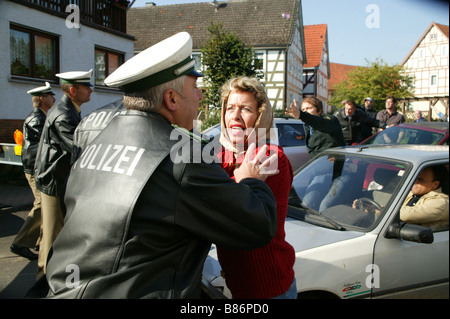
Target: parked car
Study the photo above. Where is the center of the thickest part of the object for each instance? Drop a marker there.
(289, 135)
(347, 249)
(424, 133)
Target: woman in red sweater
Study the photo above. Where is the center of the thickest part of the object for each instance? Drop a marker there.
(266, 272)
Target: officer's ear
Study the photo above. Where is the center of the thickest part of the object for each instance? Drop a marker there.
(170, 99)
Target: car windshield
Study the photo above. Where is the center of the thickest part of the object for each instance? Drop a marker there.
(405, 135)
(345, 191)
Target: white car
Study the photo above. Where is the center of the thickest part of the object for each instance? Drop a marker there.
(289, 135)
(347, 249)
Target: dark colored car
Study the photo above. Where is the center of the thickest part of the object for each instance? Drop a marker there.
(424, 133)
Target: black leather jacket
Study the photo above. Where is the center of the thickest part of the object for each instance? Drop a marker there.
(352, 129)
(140, 222)
(55, 148)
(32, 130)
(93, 124)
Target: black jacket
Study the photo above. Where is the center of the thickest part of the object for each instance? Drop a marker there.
(32, 131)
(55, 147)
(140, 221)
(327, 133)
(352, 129)
(93, 124)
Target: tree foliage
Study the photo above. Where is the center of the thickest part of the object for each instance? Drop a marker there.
(224, 56)
(377, 80)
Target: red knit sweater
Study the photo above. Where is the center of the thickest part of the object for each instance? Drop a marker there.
(267, 271)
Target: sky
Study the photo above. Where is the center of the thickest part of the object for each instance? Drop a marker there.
(362, 31)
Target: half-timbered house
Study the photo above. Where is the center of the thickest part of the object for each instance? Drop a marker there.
(428, 64)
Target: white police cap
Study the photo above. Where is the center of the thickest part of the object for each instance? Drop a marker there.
(47, 89)
(158, 64)
(76, 77)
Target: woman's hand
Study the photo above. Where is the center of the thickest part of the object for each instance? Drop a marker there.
(260, 166)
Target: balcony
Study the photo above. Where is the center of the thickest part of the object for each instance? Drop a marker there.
(103, 14)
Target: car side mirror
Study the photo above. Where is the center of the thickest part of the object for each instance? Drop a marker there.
(410, 232)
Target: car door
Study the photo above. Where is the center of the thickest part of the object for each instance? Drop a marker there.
(405, 269)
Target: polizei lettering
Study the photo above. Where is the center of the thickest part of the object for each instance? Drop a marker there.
(99, 120)
(119, 159)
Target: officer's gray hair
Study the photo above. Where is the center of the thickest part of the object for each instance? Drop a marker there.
(36, 101)
(152, 99)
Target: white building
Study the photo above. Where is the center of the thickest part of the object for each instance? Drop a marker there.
(40, 38)
(428, 64)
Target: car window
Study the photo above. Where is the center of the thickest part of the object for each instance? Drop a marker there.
(352, 190)
(402, 135)
(290, 134)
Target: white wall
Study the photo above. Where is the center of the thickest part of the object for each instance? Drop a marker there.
(76, 54)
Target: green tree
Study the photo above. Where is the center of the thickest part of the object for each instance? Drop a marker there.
(224, 56)
(377, 80)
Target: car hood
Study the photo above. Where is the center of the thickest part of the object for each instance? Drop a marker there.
(303, 236)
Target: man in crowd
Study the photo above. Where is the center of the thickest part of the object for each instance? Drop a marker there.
(390, 116)
(418, 116)
(352, 122)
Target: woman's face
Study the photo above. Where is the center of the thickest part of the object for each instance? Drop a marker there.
(241, 113)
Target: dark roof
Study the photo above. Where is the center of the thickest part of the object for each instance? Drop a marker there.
(260, 23)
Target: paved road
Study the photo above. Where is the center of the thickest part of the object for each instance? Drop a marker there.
(17, 274)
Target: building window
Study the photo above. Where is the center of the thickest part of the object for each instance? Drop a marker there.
(444, 51)
(33, 54)
(259, 61)
(421, 53)
(106, 62)
(198, 61)
(433, 80)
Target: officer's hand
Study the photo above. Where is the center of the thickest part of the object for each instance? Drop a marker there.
(293, 110)
(260, 166)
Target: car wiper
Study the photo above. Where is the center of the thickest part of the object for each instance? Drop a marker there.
(335, 225)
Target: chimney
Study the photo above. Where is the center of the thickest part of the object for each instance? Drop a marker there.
(150, 4)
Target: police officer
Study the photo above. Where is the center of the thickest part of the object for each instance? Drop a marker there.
(54, 155)
(325, 131)
(29, 234)
(140, 222)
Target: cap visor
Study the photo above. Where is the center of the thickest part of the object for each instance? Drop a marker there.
(196, 74)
